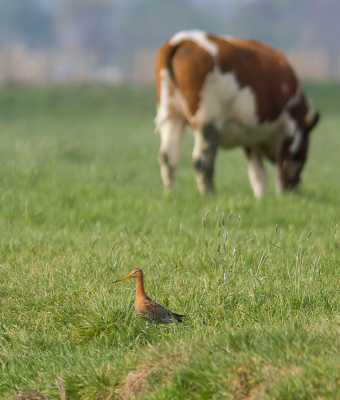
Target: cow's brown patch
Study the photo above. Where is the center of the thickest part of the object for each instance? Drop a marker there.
(190, 65)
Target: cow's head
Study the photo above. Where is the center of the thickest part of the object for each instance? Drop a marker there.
(294, 153)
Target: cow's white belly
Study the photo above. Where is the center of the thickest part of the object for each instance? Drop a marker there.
(233, 134)
(233, 112)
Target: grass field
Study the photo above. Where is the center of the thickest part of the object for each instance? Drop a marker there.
(82, 205)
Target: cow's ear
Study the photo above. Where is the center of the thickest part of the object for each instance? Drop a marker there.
(312, 120)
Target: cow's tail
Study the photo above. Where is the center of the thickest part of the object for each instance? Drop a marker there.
(164, 82)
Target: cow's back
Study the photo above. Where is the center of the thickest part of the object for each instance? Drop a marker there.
(231, 66)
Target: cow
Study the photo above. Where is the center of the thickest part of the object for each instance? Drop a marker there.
(231, 92)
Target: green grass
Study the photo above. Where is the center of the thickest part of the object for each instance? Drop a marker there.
(81, 205)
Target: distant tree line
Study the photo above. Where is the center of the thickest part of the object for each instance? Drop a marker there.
(114, 29)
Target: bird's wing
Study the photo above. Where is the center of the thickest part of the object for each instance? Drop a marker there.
(157, 308)
(160, 310)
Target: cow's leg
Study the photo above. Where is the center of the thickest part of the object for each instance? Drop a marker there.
(171, 139)
(203, 157)
(279, 183)
(281, 156)
(257, 173)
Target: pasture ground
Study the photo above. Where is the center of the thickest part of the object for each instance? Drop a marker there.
(82, 205)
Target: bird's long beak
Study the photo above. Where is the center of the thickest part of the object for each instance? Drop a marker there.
(129, 276)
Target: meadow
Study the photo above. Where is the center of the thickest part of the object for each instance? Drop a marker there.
(82, 204)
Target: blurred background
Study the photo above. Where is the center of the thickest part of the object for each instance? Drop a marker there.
(113, 41)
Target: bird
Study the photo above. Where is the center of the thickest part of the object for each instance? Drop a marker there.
(147, 308)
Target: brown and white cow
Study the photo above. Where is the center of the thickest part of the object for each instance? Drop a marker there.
(232, 93)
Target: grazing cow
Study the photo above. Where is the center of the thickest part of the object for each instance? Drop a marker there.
(232, 93)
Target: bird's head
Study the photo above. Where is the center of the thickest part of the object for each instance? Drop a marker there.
(133, 274)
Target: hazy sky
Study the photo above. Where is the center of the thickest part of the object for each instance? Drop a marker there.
(227, 5)
(131, 26)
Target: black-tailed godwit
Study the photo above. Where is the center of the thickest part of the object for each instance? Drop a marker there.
(147, 308)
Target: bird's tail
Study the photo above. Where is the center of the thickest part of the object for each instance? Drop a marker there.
(178, 317)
